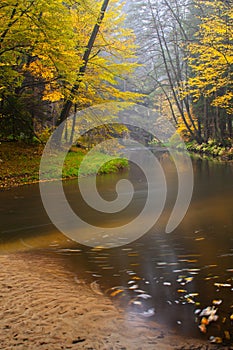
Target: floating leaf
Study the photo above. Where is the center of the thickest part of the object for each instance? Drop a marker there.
(190, 301)
(144, 296)
(193, 294)
(204, 321)
(212, 318)
(135, 286)
(202, 328)
(116, 292)
(216, 340)
(197, 311)
(139, 291)
(222, 284)
(208, 311)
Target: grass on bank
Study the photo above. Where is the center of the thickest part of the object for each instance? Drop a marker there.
(212, 149)
(20, 162)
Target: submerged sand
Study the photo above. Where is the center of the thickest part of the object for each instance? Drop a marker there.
(44, 306)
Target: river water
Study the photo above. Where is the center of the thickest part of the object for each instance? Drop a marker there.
(161, 276)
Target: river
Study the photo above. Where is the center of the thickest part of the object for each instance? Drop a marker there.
(162, 276)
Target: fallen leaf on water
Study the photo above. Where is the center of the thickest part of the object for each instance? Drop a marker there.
(167, 283)
(136, 302)
(208, 311)
(217, 302)
(202, 328)
(193, 294)
(212, 318)
(190, 301)
(188, 279)
(113, 294)
(135, 286)
(216, 340)
(131, 282)
(144, 296)
(204, 321)
(139, 291)
(211, 278)
(222, 284)
(197, 311)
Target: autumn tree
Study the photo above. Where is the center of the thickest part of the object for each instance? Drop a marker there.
(37, 51)
(162, 35)
(42, 45)
(211, 62)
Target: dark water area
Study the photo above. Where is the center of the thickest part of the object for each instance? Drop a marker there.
(166, 277)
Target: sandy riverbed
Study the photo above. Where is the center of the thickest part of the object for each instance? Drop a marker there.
(43, 306)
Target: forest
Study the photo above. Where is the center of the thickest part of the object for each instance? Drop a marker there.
(172, 56)
(116, 159)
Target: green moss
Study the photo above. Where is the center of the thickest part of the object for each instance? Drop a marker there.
(212, 149)
(19, 164)
(93, 165)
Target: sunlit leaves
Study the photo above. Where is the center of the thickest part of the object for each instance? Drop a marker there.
(211, 57)
(46, 40)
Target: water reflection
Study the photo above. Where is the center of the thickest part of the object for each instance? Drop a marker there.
(171, 278)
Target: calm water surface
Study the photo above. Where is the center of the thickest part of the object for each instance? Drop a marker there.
(164, 277)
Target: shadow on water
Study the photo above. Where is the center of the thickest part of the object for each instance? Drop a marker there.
(165, 277)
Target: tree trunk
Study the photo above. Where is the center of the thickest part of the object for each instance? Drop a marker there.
(68, 103)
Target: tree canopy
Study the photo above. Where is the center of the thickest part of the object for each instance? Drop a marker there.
(186, 50)
(42, 45)
(178, 56)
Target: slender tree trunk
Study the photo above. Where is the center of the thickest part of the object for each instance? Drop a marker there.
(229, 124)
(174, 76)
(73, 124)
(216, 119)
(68, 103)
(206, 124)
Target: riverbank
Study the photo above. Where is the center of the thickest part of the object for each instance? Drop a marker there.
(44, 306)
(20, 162)
(211, 150)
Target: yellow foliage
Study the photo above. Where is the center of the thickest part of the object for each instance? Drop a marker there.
(211, 57)
(48, 38)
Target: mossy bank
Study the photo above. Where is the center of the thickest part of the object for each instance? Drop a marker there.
(20, 162)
